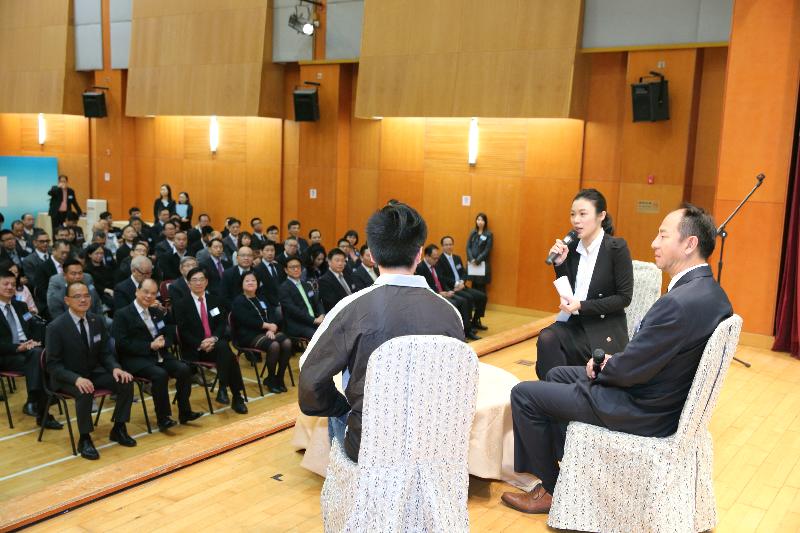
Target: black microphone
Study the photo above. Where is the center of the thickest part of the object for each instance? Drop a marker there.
(760, 178)
(571, 236)
(598, 357)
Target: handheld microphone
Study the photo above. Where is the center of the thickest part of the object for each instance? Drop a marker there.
(598, 357)
(571, 236)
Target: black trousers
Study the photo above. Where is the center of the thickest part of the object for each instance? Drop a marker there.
(57, 221)
(561, 344)
(28, 363)
(540, 411)
(464, 306)
(478, 300)
(294, 329)
(102, 379)
(159, 374)
(230, 375)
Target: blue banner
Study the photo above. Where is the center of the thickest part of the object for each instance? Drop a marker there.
(24, 182)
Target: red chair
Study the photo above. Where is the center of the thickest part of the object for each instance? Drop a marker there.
(163, 292)
(9, 376)
(62, 397)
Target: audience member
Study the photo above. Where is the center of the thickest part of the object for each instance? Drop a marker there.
(302, 310)
(273, 234)
(24, 246)
(72, 272)
(164, 201)
(169, 261)
(479, 248)
(271, 273)
(124, 270)
(231, 285)
(259, 237)
(290, 249)
(314, 237)
(23, 294)
(215, 266)
(452, 274)
(102, 274)
(294, 231)
(334, 286)
(10, 250)
(62, 201)
(231, 241)
(184, 210)
(45, 271)
(126, 243)
(71, 223)
(179, 289)
(41, 253)
(29, 228)
(315, 265)
(125, 290)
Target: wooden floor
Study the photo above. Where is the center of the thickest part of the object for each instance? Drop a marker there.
(261, 486)
(27, 466)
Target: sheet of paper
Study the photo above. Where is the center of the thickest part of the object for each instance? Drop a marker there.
(182, 210)
(477, 270)
(564, 290)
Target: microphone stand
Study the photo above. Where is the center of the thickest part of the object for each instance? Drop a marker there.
(723, 234)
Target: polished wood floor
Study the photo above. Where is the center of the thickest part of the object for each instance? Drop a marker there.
(261, 486)
(27, 466)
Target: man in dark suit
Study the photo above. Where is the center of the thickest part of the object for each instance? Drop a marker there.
(202, 323)
(453, 274)
(334, 285)
(71, 223)
(24, 243)
(641, 390)
(231, 285)
(156, 231)
(41, 253)
(47, 270)
(259, 238)
(10, 251)
(367, 272)
(271, 273)
(143, 338)
(125, 290)
(169, 261)
(294, 232)
(231, 240)
(62, 201)
(29, 228)
(19, 351)
(273, 234)
(166, 244)
(302, 310)
(200, 241)
(427, 269)
(215, 266)
(79, 362)
(290, 249)
(179, 289)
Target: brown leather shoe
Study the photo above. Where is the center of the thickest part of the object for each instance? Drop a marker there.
(537, 501)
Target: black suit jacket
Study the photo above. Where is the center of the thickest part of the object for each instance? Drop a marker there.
(122, 252)
(178, 290)
(44, 272)
(229, 245)
(331, 291)
(424, 270)
(231, 285)
(124, 293)
(190, 327)
(196, 246)
(361, 279)
(5, 256)
(445, 271)
(214, 279)
(293, 306)
(642, 390)
(67, 355)
(133, 338)
(602, 314)
(55, 195)
(158, 206)
(24, 316)
(248, 318)
(270, 284)
(169, 263)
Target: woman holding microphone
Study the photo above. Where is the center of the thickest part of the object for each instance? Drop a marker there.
(598, 266)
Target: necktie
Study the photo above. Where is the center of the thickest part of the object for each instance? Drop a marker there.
(148, 321)
(12, 324)
(219, 269)
(271, 270)
(343, 283)
(84, 335)
(436, 280)
(305, 299)
(204, 318)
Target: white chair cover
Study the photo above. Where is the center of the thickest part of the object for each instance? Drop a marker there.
(646, 290)
(419, 402)
(648, 484)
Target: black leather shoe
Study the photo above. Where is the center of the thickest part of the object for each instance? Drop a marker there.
(165, 424)
(271, 385)
(30, 409)
(222, 396)
(50, 423)
(87, 450)
(477, 325)
(120, 436)
(189, 416)
(471, 336)
(238, 405)
(280, 385)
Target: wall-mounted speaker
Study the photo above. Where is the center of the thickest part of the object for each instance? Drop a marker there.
(650, 100)
(306, 104)
(94, 105)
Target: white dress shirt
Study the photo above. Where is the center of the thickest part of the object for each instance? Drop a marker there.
(680, 274)
(453, 267)
(77, 321)
(586, 266)
(17, 322)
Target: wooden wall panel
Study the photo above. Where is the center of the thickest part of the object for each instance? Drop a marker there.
(554, 148)
(402, 144)
(363, 198)
(606, 105)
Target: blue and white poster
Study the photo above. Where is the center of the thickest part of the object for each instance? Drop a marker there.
(24, 182)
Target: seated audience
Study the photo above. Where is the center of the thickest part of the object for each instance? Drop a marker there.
(23, 294)
(80, 361)
(259, 237)
(366, 273)
(126, 242)
(29, 228)
(231, 285)
(125, 290)
(315, 265)
(427, 269)
(102, 273)
(453, 274)
(352, 257)
(143, 339)
(302, 310)
(166, 244)
(169, 261)
(47, 270)
(20, 352)
(179, 289)
(24, 246)
(640, 390)
(10, 250)
(71, 223)
(199, 246)
(290, 249)
(294, 231)
(41, 253)
(57, 290)
(202, 323)
(245, 239)
(273, 234)
(156, 231)
(271, 274)
(231, 240)
(334, 285)
(215, 266)
(256, 326)
(314, 237)
(141, 248)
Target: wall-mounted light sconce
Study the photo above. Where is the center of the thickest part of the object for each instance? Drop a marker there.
(213, 134)
(472, 158)
(42, 129)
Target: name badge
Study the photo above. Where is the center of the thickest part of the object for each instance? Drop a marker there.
(96, 338)
(483, 237)
(310, 294)
(18, 297)
(214, 312)
(27, 316)
(160, 324)
(71, 196)
(459, 267)
(263, 305)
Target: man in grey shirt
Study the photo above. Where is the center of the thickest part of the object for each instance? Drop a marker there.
(399, 303)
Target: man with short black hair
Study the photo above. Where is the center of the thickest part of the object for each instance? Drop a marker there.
(45, 271)
(24, 246)
(156, 232)
(79, 361)
(641, 390)
(352, 331)
(302, 309)
(366, 273)
(273, 234)
(179, 289)
(259, 238)
(231, 284)
(294, 231)
(169, 261)
(231, 241)
(215, 266)
(10, 248)
(57, 289)
(272, 274)
(29, 228)
(41, 253)
(314, 237)
(333, 285)
(71, 222)
(453, 274)
(62, 202)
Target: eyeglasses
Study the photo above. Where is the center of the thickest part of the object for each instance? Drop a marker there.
(85, 296)
(293, 267)
(197, 280)
(145, 272)
(40, 241)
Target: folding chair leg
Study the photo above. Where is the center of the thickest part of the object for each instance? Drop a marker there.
(46, 410)
(5, 400)
(144, 407)
(205, 388)
(291, 374)
(12, 383)
(69, 427)
(99, 410)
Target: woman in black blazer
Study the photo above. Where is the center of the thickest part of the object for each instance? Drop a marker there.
(164, 201)
(255, 325)
(62, 196)
(186, 219)
(600, 272)
(479, 247)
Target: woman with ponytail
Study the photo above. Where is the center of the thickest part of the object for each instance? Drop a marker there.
(598, 266)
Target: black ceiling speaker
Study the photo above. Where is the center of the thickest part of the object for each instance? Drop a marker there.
(306, 104)
(94, 104)
(650, 99)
